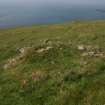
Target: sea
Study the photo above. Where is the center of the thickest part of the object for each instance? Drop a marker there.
(16, 14)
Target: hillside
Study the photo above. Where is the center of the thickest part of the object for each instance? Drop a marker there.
(62, 64)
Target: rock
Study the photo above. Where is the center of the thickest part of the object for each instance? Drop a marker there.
(88, 47)
(41, 50)
(49, 47)
(84, 54)
(6, 66)
(81, 47)
(47, 41)
(10, 63)
(99, 55)
(91, 53)
(24, 51)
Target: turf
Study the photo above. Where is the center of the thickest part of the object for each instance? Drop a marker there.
(53, 70)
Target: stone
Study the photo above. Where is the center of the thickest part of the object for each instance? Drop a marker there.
(10, 63)
(91, 53)
(81, 47)
(41, 50)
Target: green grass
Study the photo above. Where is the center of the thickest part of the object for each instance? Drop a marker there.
(58, 76)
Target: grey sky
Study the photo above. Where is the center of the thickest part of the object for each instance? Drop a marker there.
(43, 2)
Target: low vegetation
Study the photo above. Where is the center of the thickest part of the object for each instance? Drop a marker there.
(62, 64)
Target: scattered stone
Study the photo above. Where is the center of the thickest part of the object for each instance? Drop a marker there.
(84, 54)
(47, 41)
(49, 47)
(88, 47)
(41, 50)
(99, 55)
(81, 47)
(6, 66)
(23, 51)
(10, 63)
(91, 53)
(88, 50)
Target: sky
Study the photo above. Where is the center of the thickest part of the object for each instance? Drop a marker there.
(56, 2)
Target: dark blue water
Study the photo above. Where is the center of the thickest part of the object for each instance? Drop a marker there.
(13, 14)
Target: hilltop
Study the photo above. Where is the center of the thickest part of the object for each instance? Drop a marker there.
(61, 64)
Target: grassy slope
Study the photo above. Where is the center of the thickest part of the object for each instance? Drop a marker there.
(64, 78)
